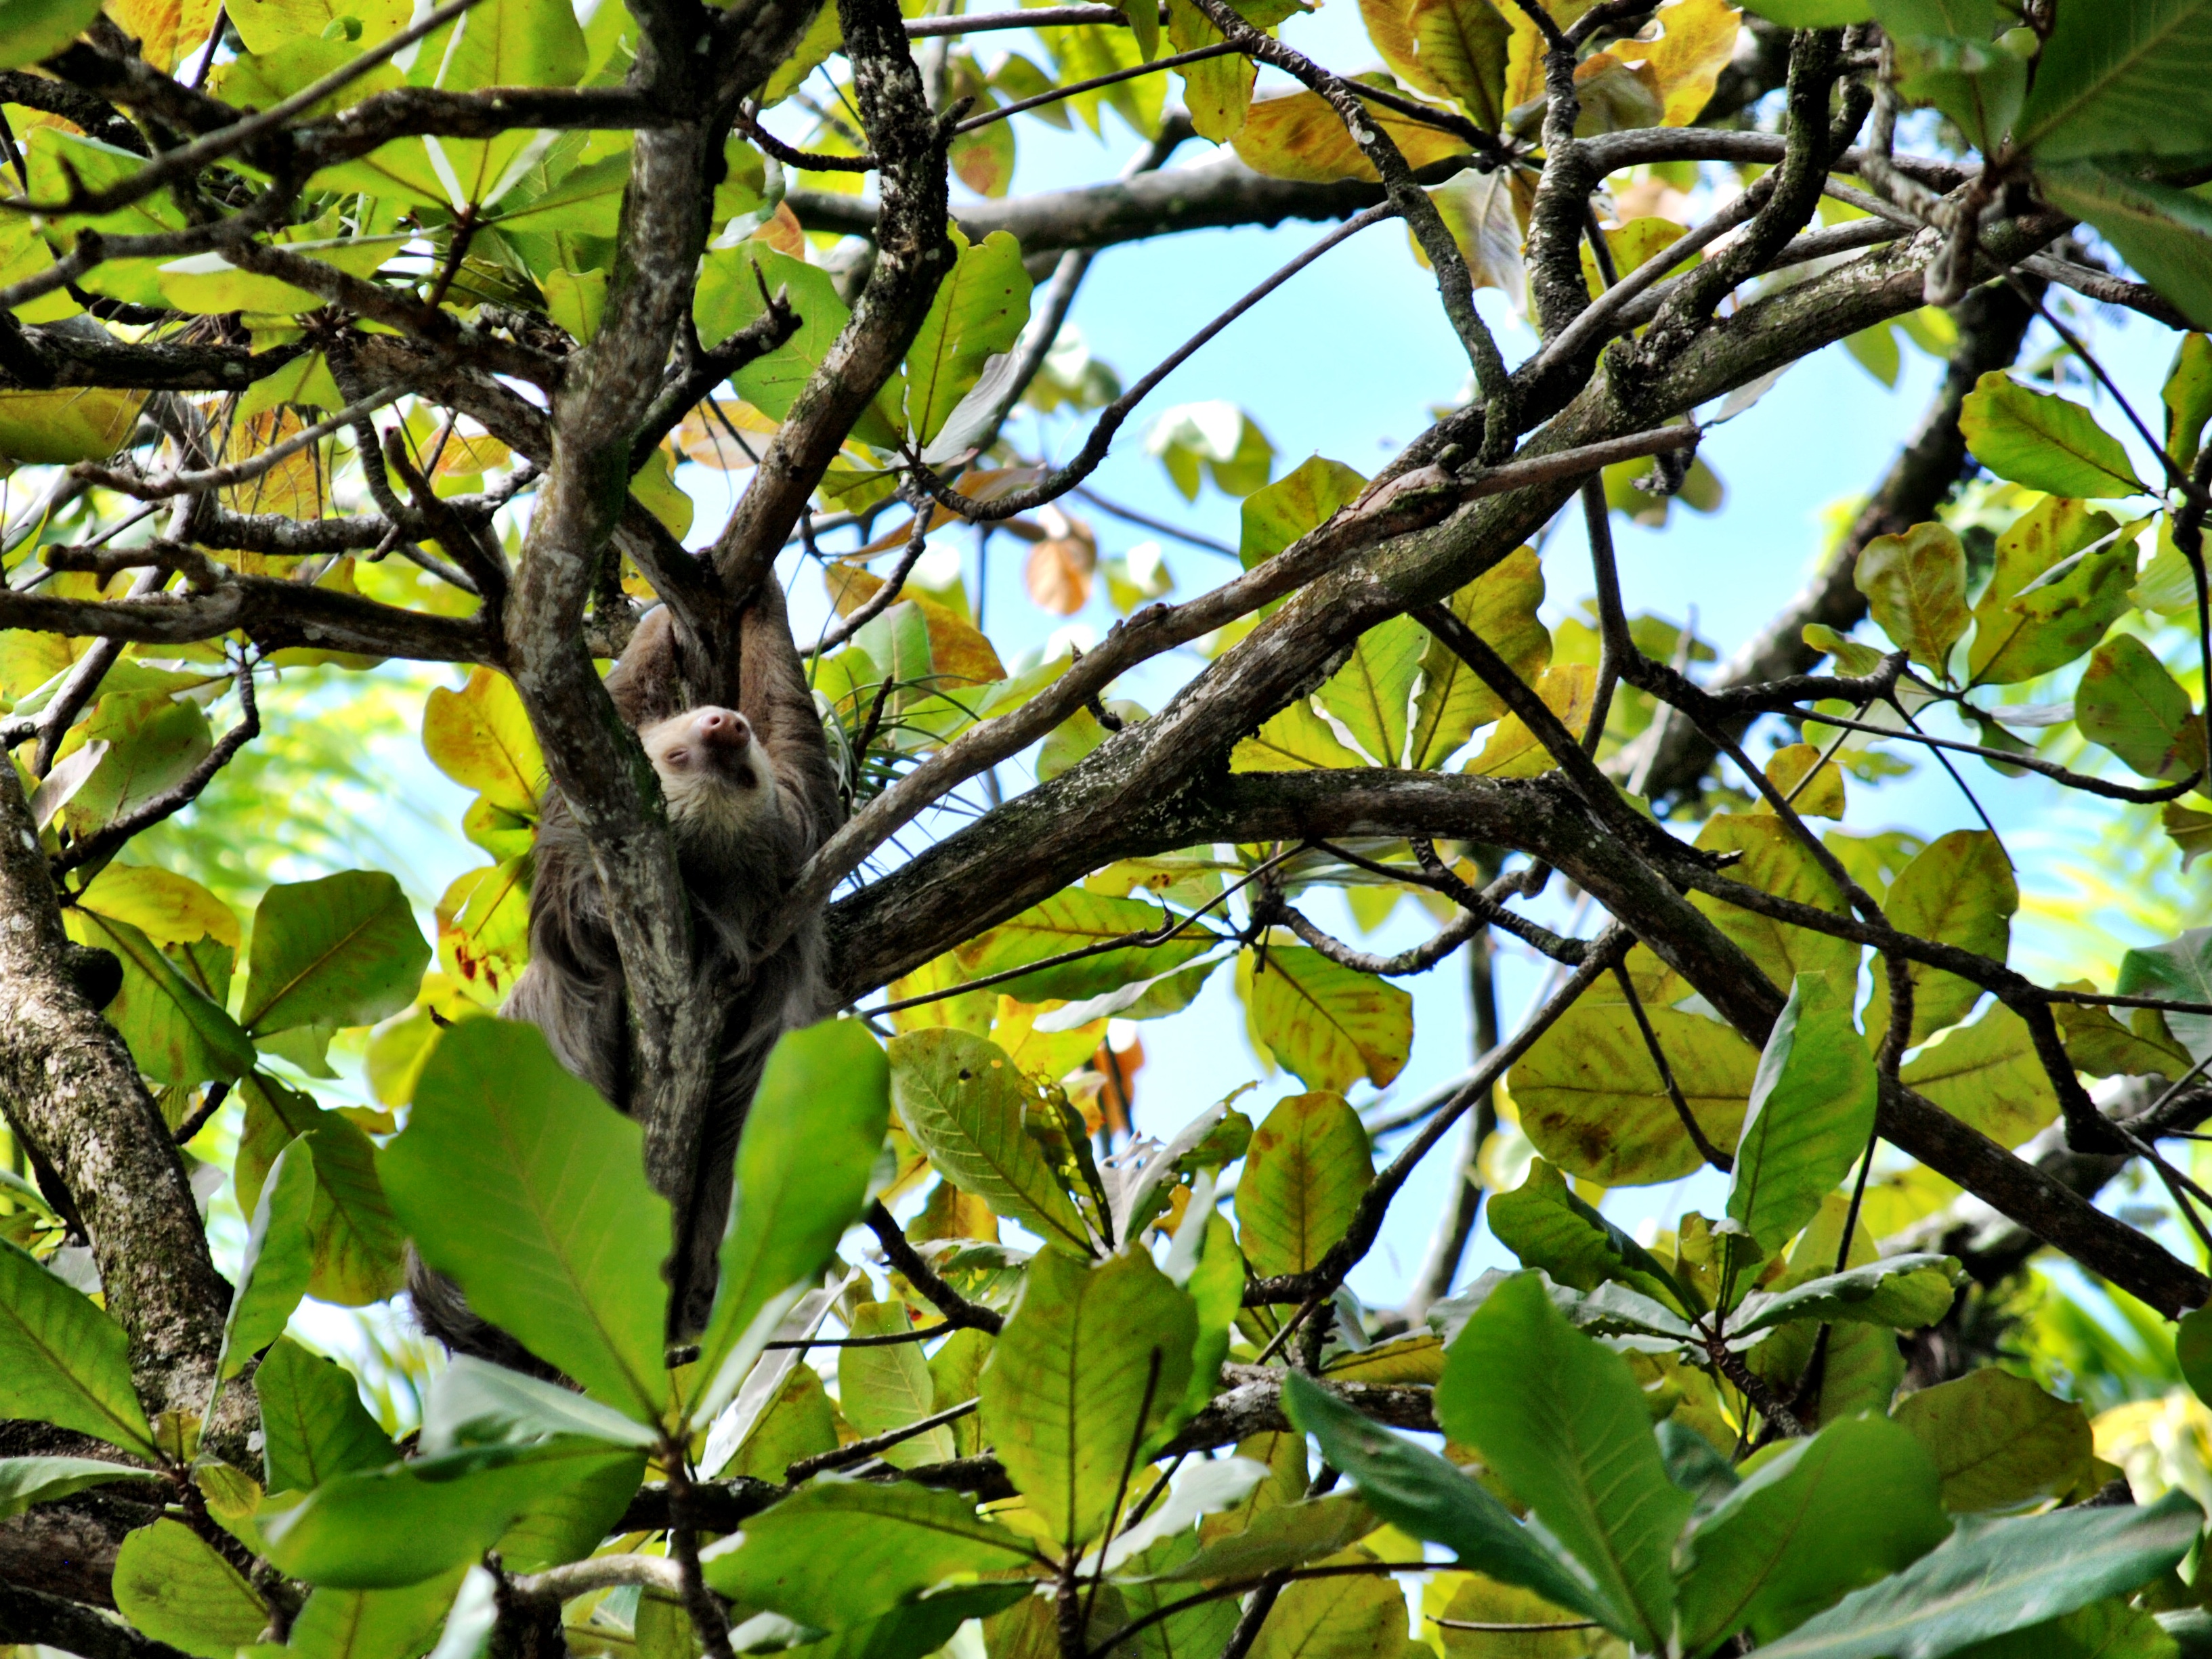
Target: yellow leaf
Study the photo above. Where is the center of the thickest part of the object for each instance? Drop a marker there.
(704, 435)
(165, 29)
(654, 485)
(168, 908)
(1697, 39)
(1567, 690)
(294, 487)
(1789, 767)
(82, 424)
(480, 738)
(959, 654)
(1300, 137)
(483, 929)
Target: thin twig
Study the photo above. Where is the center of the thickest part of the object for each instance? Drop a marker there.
(859, 1451)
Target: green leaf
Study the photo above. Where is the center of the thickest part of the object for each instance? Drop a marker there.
(1915, 587)
(1813, 13)
(27, 1480)
(1292, 739)
(344, 951)
(273, 1273)
(1904, 1292)
(1305, 1173)
(1811, 1115)
(1501, 605)
(1073, 920)
(1959, 890)
(1988, 1075)
(473, 1402)
(1990, 1580)
(2110, 1629)
(501, 43)
(1091, 1366)
(358, 1244)
(1360, 1618)
(382, 1529)
(1462, 44)
(2187, 396)
(1330, 1024)
(176, 1033)
(1290, 1535)
(2165, 234)
(314, 1426)
(1548, 1227)
(1561, 1420)
(1418, 1491)
(2181, 970)
(1776, 861)
(1370, 693)
(392, 1624)
(2043, 606)
(39, 28)
(882, 1388)
(1828, 1516)
(2120, 81)
(172, 1585)
(2043, 442)
(1999, 1441)
(811, 1140)
(978, 313)
(1302, 499)
(1593, 1102)
(516, 1180)
(2128, 703)
(838, 1553)
(964, 1101)
(728, 296)
(63, 1360)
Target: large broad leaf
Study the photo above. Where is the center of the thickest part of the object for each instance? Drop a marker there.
(1359, 1617)
(380, 1528)
(1330, 1024)
(811, 1140)
(314, 1426)
(357, 1244)
(279, 1257)
(391, 1624)
(978, 313)
(1420, 1492)
(2164, 232)
(1076, 920)
(2043, 607)
(1302, 499)
(1092, 1364)
(1775, 860)
(178, 1034)
(2043, 442)
(1548, 1227)
(1811, 1115)
(2130, 704)
(39, 28)
(62, 1361)
(1460, 44)
(343, 950)
(2181, 970)
(2120, 80)
(1904, 1292)
(964, 1103)
(1998, 1577)
(473, 1402)
(887, 1386)
(170, 1582)
(1305, 1172)
(1828, 1516)
(1292, 739)
(837, 1554)
(1916, 588)
(1987, 1074)
(1561, 1420)
(1369, 696)
(27, 1480)
(502, 43)
(1997, 1440)
(1284, 1533)
(1300, 137)
(728, 297)
(1500, 605)
(1592, 1101)
(480, 737)
(514, 1178)
(1959, 890)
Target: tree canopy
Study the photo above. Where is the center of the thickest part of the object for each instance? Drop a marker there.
(369, 366)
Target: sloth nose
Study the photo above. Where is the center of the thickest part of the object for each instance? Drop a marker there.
(723, 727)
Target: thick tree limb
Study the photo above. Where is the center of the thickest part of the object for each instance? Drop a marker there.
(54, 1621)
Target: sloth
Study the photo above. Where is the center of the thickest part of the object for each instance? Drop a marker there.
(751, 793)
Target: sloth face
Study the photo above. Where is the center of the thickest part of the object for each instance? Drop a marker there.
(710, 768)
